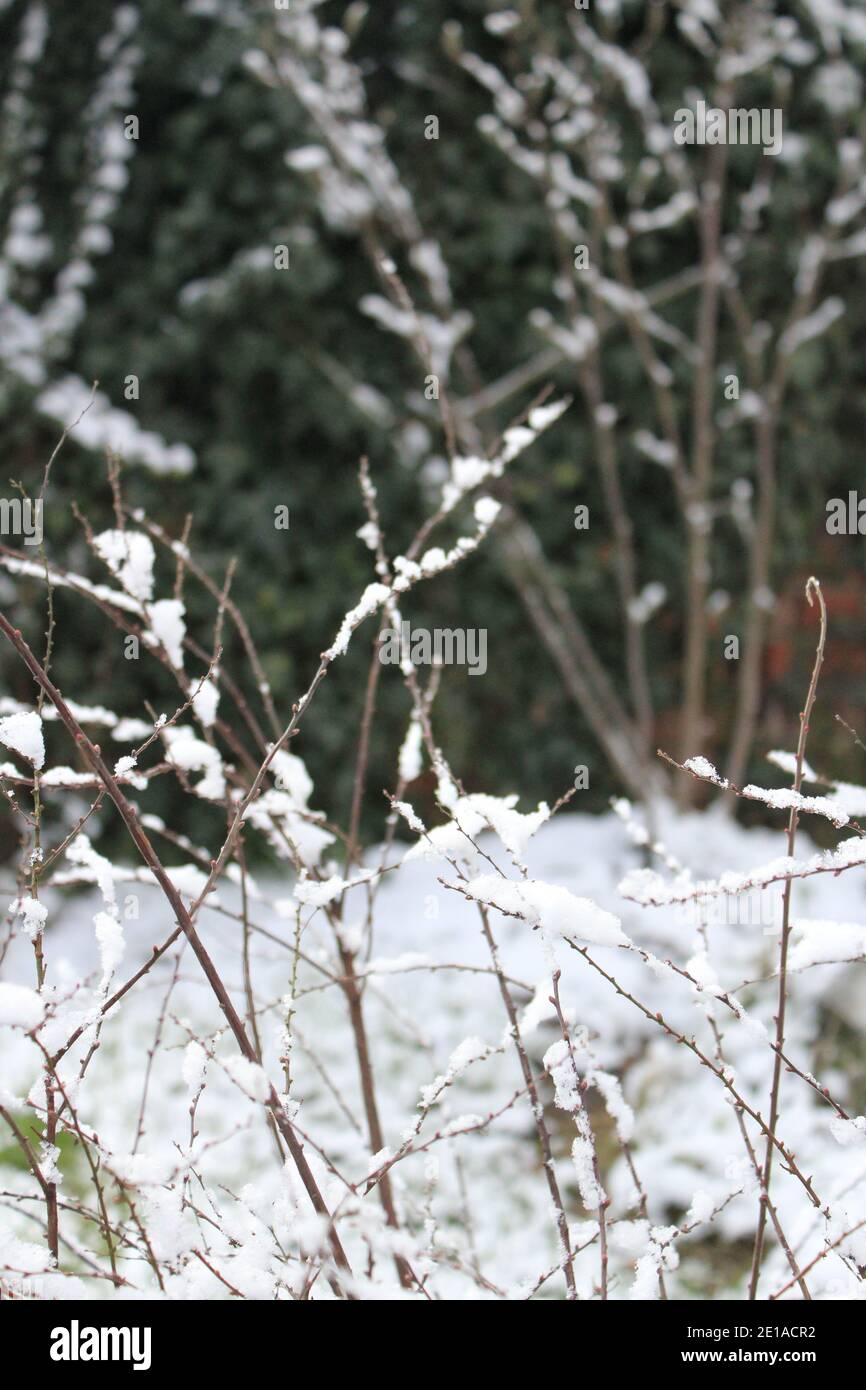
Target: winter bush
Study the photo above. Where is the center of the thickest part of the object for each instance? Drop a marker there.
(231, 1092)
(445, 1044)
(149, 264)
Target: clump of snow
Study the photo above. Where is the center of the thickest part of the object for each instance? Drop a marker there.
(103, 427)
(848, 798)
(788, 763)
(315, 894)
(248, 1076)
(659, 450)
(20, 1007)
(131, 730)
(704, 769)
(409, 762)
(130, 557)
(192, 754)
(67, 777)
(412, 820)
(23, 734)
(471, 1050)
(647, 602)
(486, 510)
(468, 471)
(372, 598)
(94, 868)
(812, 326)
(471, 816)
(167, 628)
(557, 911)
(847, 1132)
(194, 1067)
(205, 702)
(109, 937)
(649, 888)
(34, 915)
(284, 816)
(785, 798)
(817, 942)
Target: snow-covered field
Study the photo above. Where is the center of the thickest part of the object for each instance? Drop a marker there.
(477, 1218)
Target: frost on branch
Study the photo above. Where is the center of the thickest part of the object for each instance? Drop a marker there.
(547, 905)
(470, 817)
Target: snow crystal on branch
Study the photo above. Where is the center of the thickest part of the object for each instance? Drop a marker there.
(441, 336)
(372, 598)
(784, 799)
(314, 893)
(650, 889)
(471, 816)
(470, 1050)
(819, 942)
(104, 592)
(558, 912)
(468, 472)
(703, 768)
(195, 1061)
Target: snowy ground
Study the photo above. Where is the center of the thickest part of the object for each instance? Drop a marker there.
(480, 1216)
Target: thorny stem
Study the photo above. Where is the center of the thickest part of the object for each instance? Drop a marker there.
(813, 590)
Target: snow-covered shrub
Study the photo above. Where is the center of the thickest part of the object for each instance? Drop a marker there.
(511, 1060)
(527, 1054)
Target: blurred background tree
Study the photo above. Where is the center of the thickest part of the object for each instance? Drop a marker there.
(153, 258)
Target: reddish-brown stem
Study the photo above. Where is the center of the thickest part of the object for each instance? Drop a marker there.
(139, 838)
(812, 587)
